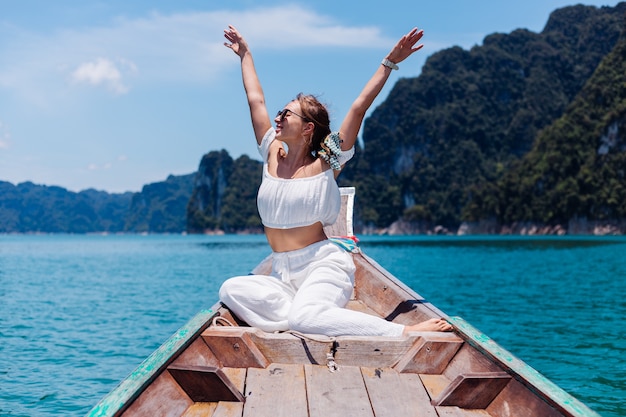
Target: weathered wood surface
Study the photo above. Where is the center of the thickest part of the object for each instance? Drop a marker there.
(277, 391)
(376, 352)
(389, 297)
(549, 391)
(234, 347)
(129, 389)
(459, 412)
(162, 397)
(419, 352)
(337, 394)
(230, 408)
(205, 383)
(474, 391)
(396, 395)
(227, 409)
(427, 373)
(200, 410)
(431, 354)
(434, 384)
(287, 348)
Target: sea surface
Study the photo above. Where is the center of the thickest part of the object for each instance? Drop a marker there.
(80, 313)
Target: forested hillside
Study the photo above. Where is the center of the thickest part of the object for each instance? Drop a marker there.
(160, 207)
(577, 167)
(30, 208)
(224, 195)
(470, 115)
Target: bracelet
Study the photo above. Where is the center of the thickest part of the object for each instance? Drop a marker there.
(389, 64)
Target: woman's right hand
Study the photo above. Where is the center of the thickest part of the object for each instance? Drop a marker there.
(256, 100)
(406, 46)
(236, 42)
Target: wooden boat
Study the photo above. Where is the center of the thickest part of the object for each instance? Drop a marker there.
(216, 365)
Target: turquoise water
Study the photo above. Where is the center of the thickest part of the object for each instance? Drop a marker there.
(79, 313)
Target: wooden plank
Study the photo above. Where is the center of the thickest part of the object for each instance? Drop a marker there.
(129, 389)
(277, 391)
(523, 372)
(459, 412)
(205, 383)
(372, 351)
(234, 347)
(237, 377)
(388, 296)
(468, 360)
(163, 397)
(350, 350)
(431, 355)
(197, 354)
(264, 267)
(228, 409)
(395, 395)
(434, 384)
(200, 410)
(336, 394)
(516, 396)
(287, 348)
(358, 305)
(474, 391)
(379, 295)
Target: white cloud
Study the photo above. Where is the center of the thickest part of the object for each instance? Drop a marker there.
(101, 72)
(176, 48)
(300, 27)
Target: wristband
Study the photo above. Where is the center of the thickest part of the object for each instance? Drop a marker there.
(389, 64)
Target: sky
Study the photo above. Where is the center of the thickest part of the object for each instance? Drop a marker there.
(114, 95)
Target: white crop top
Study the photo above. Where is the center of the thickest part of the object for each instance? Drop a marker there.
(288, 203)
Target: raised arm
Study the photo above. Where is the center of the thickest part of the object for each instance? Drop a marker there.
(352, 122)
(254, 93)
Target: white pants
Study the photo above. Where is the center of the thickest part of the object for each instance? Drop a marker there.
(305, 292)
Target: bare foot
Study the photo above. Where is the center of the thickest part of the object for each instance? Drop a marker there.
(430, 325)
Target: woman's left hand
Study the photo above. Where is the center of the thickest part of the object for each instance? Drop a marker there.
(406, 46)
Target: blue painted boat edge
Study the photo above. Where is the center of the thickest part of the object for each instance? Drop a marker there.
(118, 399)
(521, 371)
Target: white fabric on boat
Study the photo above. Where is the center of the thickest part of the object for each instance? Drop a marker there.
(306, 292)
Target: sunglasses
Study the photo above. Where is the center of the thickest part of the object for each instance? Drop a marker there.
(283, 113)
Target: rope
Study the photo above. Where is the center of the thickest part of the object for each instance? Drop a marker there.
(223, 320)
(321, 339)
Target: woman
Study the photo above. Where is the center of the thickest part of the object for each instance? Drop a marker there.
(312, 278)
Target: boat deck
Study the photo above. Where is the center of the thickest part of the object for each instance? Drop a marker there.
(313, 391)
(242, 371)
